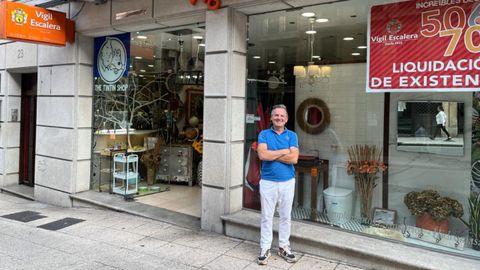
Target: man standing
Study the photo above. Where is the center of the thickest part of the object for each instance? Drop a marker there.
(278, 150)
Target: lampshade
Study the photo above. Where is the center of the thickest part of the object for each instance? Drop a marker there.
(299, 71)
(326, 71)
(313, 71)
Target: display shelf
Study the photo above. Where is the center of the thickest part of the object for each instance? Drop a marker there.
(125, 174)
(124, 131)
(354, 225)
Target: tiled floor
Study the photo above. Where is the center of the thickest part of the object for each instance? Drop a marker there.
(180, 198)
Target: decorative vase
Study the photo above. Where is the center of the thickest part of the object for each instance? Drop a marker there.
(425, 221)
(150, 176)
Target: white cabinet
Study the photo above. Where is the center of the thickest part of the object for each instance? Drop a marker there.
(125, 174)
(176, 164)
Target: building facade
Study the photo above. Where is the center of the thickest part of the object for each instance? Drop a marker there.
(251, 56)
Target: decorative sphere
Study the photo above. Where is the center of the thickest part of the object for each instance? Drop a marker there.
(193, 121)
(191, 133)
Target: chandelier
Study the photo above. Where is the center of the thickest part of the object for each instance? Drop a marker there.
(312, 71)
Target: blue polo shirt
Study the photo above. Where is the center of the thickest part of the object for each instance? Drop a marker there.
(276, 170)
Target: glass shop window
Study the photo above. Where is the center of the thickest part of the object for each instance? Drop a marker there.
(313, 60)
(161, 104)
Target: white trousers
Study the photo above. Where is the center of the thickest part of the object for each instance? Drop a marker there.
(272, 192)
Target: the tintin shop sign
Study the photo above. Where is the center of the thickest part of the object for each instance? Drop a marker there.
(111, 62)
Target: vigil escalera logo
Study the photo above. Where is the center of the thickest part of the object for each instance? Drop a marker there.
(19, 16)
(394, 26)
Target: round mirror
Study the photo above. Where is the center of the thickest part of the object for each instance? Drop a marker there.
(313, 115)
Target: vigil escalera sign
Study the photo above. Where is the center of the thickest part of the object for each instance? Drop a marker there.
(424, 46)
(33, 24)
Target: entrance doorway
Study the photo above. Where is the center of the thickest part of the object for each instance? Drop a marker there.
(147, 140)
(28, 123)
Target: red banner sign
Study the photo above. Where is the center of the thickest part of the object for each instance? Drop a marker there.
(212, 4)
(33, 24)
(424, 46)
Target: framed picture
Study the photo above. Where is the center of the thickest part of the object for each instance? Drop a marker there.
(194, 104)
(384, 216)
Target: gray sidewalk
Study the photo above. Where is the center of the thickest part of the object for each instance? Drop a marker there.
(104, 239)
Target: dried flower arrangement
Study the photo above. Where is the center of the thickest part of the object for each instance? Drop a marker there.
(429, 201)
(365, 162)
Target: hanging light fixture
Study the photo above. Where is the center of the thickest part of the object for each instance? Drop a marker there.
(311, 71)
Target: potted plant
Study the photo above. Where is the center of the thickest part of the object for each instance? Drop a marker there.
(364, 164)
(474, 223)
(432, 210)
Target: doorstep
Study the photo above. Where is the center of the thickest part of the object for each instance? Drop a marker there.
(118, 203)
(23, 191)
(366, 251)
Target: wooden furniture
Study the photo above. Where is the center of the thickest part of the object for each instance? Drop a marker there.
(176, 164)
(312, 167)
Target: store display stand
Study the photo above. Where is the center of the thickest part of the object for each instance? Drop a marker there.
(125, 174)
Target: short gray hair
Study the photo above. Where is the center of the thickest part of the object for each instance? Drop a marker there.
(278, 106)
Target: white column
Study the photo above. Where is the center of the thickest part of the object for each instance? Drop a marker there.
(224, 113)
(64, 113)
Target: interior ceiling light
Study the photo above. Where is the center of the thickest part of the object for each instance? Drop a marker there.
(311, 31)
(348, 38)
(312, 71)
(355, 54)
(138, 57)
(256, 57)
(142, 37)
(197, 37)
(150, 66)
(322, 20)
(308, 14)
(271, 62)
(362, 47)
(143, 70)
(201, 44)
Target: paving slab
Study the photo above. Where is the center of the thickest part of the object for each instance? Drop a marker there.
(111, 240)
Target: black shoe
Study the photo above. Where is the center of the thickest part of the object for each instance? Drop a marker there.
(287, 254)
(432, 138)
(448, 139)
(263, 257)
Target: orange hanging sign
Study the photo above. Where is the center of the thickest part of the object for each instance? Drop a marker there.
(33, 24)
(212, 4)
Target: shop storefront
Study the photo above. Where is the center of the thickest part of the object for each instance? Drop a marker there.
(373, 160)
(198, 82)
